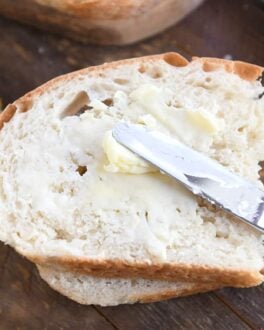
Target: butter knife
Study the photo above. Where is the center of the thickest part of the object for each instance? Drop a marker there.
(200, 174)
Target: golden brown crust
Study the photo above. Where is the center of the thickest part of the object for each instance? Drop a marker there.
(169, 294)
(111, 22)
(168, 271)
(234, 277)
(25, 102)
(7, 114)
(244, 70)
(101, 9)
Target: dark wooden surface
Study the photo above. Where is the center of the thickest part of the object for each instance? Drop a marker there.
(28, 58)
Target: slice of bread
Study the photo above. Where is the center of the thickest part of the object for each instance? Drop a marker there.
(71, 197)
(89, 290)
(100, 21)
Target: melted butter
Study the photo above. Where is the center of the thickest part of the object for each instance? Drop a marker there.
(133, 195)
(112, 187)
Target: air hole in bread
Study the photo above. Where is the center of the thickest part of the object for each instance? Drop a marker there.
(61, 234)
(133, 282)
(147, 216)
(175, 60)
(50, 105)
(152, 71)
(2, 193)
(142, 68)
(220, 234)
(261, 79)
(81, 170)
(82, 110)
(109, 102)
(241, 129)
(177, 105)
(208, 219)
(121, 81)
(261, 171)
(157, 74)
(77, 106)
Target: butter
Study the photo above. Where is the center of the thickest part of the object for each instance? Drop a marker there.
(151, 109)
(120, 100)
(146, 94)
(147, 120)
(151, 99)
(121, 159)
(204, 121)
(157, 250)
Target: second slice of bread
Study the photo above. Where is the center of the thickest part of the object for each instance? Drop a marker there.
(89, 290)
(100, 21)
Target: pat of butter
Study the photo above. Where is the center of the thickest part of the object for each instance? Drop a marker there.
(194, 128)
(157, 249)
(146, 94)
(121, 159)
(152, 99)
(205, 121)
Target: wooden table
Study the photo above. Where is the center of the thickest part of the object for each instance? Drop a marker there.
(28, 58)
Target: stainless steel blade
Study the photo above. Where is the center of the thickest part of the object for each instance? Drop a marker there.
(200, 174)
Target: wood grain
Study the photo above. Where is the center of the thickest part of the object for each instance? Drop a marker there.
(28, 303)
(29, 57)
(198, 312)
(247, 303)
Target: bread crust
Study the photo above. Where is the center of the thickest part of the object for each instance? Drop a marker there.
(190, 289)
(116, 268)
(100, 21)
(170, 272)
(101, 9)
(24, 103)
(244, 70)
(197, 288)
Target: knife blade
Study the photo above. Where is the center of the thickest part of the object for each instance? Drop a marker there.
(200, 174)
